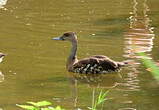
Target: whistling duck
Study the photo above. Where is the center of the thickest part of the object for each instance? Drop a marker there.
(93, 64)
(1, 57)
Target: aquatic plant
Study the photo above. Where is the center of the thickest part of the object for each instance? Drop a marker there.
(154, 69)
(99, 100)
(46, 105)
(42, 105)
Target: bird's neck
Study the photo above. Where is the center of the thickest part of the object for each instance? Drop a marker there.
(72, 57)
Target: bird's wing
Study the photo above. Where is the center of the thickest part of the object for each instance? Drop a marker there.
(100, 56)
(94, 63)
(86, 61)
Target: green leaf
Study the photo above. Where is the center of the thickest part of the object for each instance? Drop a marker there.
(150, 64)
(40, 104)
(28, 107)
(32, 103)
(104, 95)
(101, 97)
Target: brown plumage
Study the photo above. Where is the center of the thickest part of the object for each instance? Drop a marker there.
(93, 64)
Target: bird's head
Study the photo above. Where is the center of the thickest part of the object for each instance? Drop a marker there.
(68, 36)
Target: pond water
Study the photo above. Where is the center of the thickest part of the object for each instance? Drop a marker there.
(34, 68)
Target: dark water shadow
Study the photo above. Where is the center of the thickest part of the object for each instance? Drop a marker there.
(114, 26)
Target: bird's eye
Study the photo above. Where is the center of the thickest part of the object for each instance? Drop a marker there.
(66, 34)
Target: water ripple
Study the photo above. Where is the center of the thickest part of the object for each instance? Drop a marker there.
(130, 83)
(126, 109)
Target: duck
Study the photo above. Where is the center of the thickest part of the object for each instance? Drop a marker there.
(2, 56)
(95, 64)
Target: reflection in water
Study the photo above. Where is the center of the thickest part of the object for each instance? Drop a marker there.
(2, 3)
(127, 109)
(139, 37)
(1, 77)
(93, 81)
(97, 81)
(130, 83)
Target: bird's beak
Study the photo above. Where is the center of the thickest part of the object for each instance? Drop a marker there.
(58, 38)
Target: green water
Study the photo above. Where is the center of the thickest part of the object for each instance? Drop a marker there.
(34, 68)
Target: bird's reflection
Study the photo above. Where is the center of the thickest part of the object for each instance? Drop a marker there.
(94, 82)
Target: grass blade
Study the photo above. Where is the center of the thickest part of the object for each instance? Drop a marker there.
(27, 107)
(40, 104)
(150, 64)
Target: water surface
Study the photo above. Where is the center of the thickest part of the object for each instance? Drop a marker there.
(34, 68)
